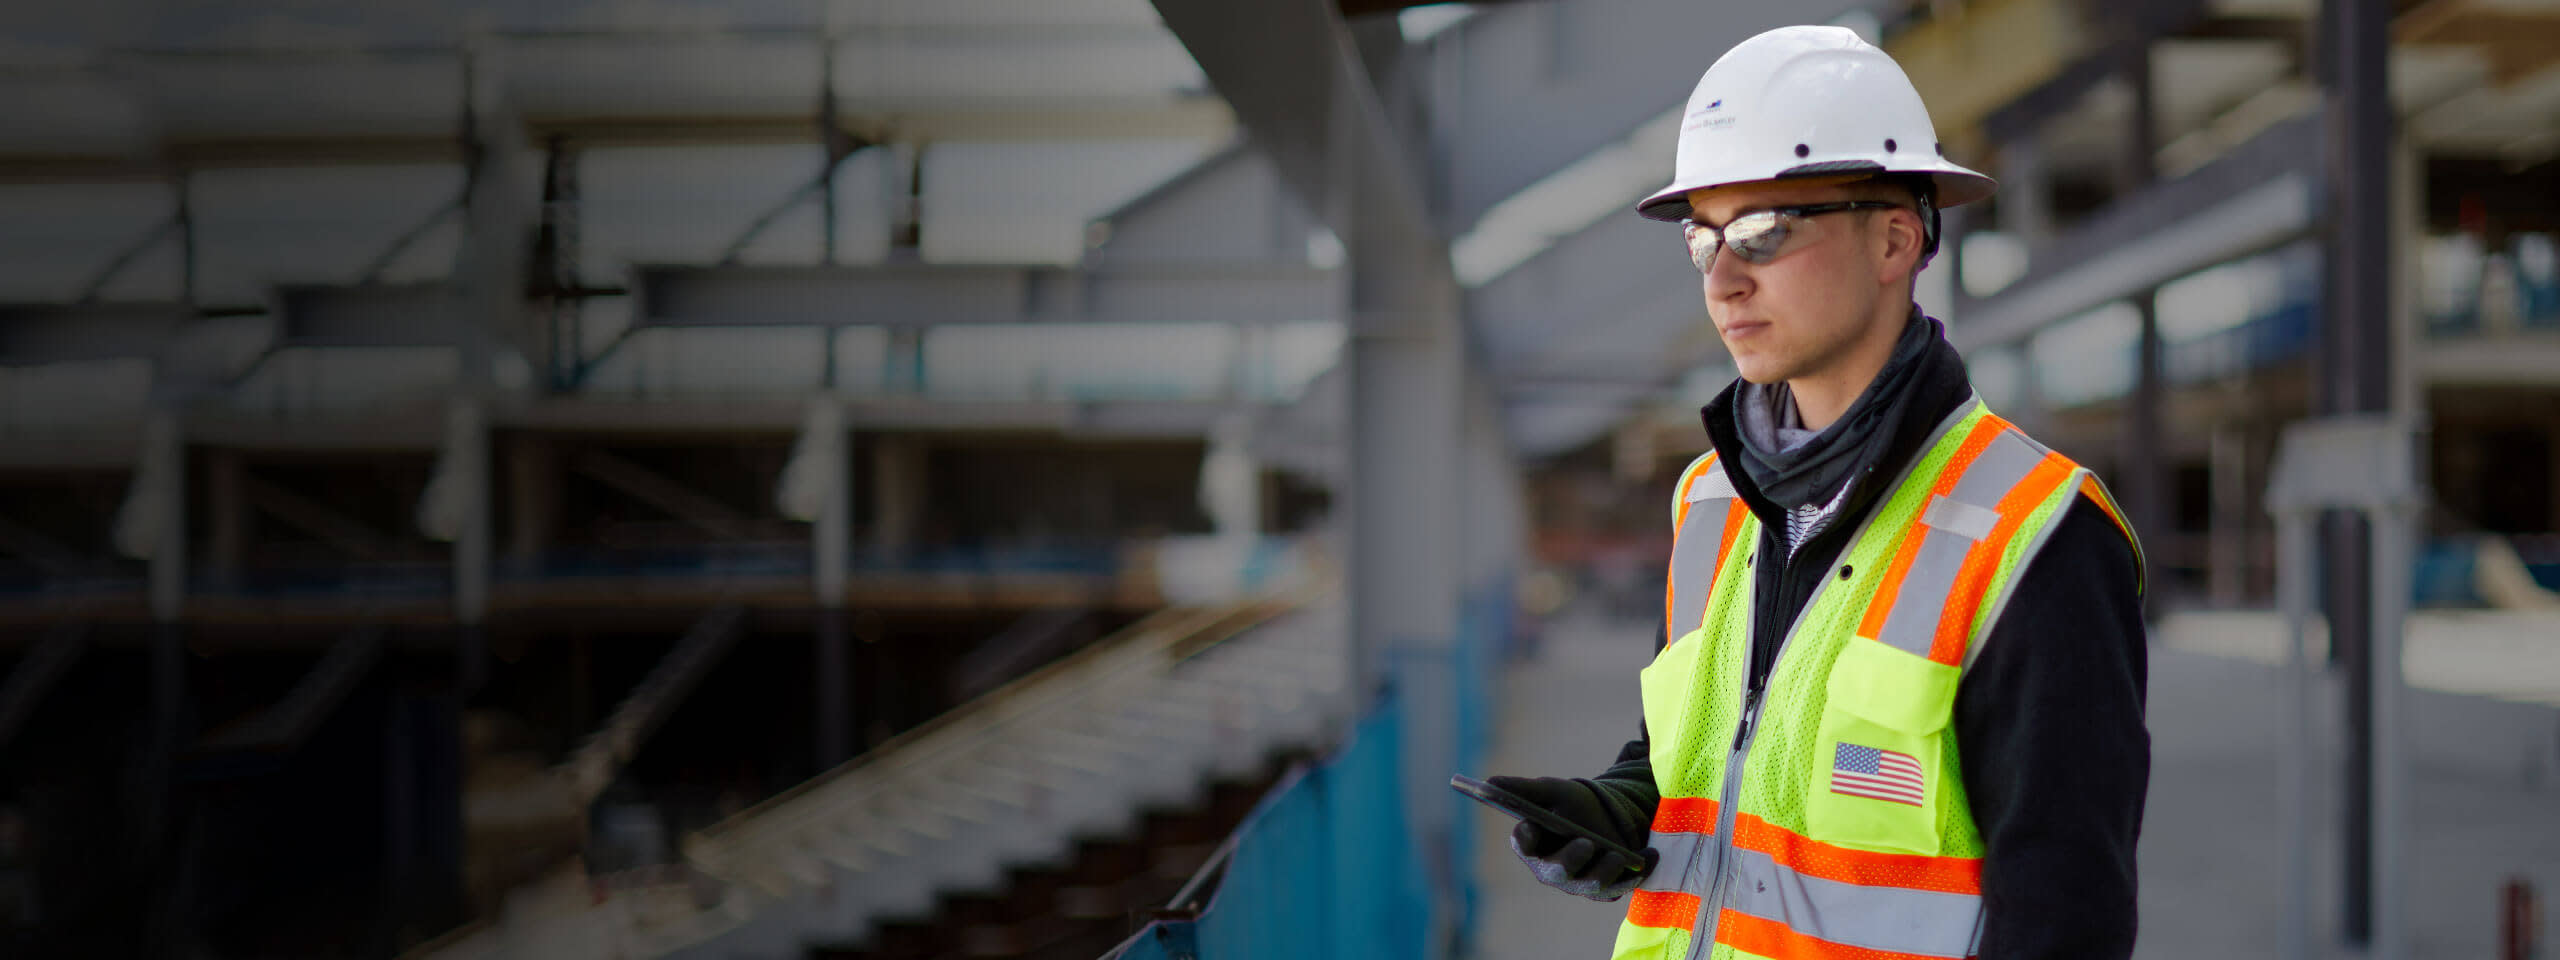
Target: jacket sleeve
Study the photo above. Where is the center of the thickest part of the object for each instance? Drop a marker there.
(2049, 723)
(1629, 780)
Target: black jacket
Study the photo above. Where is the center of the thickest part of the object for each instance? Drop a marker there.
(2048, 719)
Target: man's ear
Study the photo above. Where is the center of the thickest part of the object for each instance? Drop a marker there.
(1900, 246)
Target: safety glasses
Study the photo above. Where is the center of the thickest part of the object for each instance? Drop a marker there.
(1761, 235)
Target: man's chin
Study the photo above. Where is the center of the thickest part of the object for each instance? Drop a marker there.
(1763, 376)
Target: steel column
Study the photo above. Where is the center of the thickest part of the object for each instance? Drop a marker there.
(1291, 72)
(2354, 376)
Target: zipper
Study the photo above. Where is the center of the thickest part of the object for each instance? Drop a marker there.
(1754, 696)
(1703, 941)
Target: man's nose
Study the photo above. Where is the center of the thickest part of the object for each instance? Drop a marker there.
(1727, 277)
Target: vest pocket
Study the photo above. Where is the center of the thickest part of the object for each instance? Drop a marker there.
(1878, 778)
(1666, 685)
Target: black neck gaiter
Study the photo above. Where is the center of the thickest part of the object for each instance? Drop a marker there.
(1814, 470)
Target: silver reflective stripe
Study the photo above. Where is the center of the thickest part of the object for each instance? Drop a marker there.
(1693, 555)
(1897, 919)
(1961, 518)
(1711, 484)
(2000, 601)
(1670, 866)
(1913, 623)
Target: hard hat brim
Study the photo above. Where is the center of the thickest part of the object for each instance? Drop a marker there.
(1956, 184)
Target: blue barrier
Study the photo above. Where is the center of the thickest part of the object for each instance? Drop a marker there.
(1324, 867)
(1327, 865)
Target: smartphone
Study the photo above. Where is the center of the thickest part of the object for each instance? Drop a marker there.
(1517, 808)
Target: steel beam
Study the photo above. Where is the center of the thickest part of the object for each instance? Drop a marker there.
(1614, 302)
(1228, 208)
(2258, 196)
(2129, 27)
(1181, 116)
(60, 333)
(286, 723)
(668, 496)
(1521, 91)
(923, 295)
(367, 315)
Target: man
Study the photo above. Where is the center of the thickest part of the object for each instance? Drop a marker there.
(1899, 708)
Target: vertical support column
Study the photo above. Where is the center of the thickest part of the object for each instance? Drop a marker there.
(2399, 529)
(1404, 594)
(186, 241)
(2354, 377)
(831, 543)
(2408, 400)
(2026, 193)
(2360, 465)
(467, 470)
(501, 216)
(897, 494)
(1407, 365)
(831, 135)
(455, 509)
(533, 499)
(2145, 467)
(158, 514)
(2229, 478)
(2294, 571)
(2394, 529)
(903, 362)
(158, 524)
(226, 482)
(468, 445)
(2135, 167)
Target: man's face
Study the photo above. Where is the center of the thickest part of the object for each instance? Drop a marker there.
(1798, 314)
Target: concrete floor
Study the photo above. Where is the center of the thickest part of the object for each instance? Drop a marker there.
(2485, 802)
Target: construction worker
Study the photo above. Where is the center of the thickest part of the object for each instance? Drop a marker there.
(1899, 709)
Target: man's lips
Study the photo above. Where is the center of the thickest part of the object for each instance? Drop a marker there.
(1744, 328)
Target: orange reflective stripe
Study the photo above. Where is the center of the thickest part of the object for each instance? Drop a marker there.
(1955, 621)
(1733, 515)
(1662, 908)
(1984, 431)
(1815, 858)
(1680, 516)
(1685, 815)
(2098, 495)
(1769, 938)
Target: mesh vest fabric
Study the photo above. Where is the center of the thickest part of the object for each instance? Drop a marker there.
(1784, 820)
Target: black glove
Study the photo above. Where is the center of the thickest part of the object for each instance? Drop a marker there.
(1575, 865)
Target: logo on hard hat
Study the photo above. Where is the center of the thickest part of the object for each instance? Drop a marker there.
(1702, 119)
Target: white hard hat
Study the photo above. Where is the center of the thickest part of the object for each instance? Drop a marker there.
(1802, 102)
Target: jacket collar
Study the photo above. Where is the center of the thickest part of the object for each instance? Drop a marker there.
(1942, 388)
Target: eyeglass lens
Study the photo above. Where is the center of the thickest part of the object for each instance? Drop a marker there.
(1756, 237)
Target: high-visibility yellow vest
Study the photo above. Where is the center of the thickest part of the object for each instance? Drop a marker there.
(1829, 818)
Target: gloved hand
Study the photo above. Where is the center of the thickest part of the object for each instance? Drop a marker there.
(1576, 865)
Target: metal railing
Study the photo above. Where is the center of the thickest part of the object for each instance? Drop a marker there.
(1145, 717)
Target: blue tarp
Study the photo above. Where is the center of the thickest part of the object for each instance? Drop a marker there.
(1325, 867)
(1328, 865)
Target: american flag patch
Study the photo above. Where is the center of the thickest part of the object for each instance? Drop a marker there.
(1876, 773)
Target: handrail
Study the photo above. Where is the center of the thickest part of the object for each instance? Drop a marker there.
(597, 759)
(1148, 643)
(891, 748)
(769, 843)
